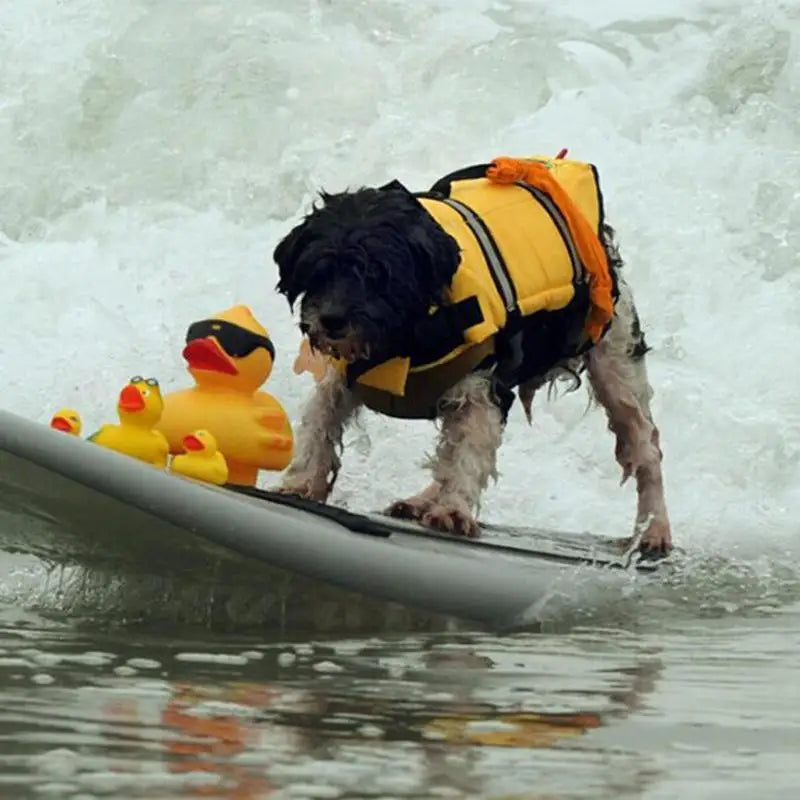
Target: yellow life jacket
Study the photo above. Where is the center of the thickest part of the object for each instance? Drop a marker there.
(528, 231)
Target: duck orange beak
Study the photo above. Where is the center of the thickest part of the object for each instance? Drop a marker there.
(130, 399)
(61, 424)
(192, 443)
(207, 355)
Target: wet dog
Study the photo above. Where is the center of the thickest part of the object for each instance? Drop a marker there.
(372, 269)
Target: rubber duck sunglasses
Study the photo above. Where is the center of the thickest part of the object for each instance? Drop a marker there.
(233, 339)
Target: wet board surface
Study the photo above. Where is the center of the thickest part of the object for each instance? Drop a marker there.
(73, 503)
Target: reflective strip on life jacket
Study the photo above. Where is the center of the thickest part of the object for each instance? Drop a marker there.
(491, 253)
(558, 220)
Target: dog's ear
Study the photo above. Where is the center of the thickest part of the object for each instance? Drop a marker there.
(286, 255)
(436, 254)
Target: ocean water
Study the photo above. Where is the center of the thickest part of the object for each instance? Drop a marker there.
(153, 155)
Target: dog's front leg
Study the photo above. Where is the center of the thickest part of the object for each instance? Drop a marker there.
(466, 457)
(318, 443)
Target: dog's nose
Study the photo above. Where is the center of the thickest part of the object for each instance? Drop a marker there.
(333, 323)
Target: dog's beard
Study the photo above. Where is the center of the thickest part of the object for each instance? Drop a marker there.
(350, 344)
(356, 336)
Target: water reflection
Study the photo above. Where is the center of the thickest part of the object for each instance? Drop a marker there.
(596, 713)
(403, 718)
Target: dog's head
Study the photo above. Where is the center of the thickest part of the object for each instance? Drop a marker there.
(365, 265)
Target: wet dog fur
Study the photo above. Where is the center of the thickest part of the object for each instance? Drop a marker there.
(365, 266)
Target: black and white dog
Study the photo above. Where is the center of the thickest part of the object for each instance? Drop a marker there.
(368, 265)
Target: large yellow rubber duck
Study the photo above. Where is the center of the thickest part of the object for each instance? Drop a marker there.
(139, 407)
(201, 459)
(230, 356)
(67, 420)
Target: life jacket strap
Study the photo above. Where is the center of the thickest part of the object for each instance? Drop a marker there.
(443, 331)
(430, 340)
(443, 185)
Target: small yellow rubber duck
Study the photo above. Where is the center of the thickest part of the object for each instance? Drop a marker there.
(67, 420)
(201, 459)
(139, 408)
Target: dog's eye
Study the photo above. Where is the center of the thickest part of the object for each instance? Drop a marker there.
(332, 322)
(304, 327)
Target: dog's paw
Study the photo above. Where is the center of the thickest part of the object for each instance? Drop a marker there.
(410, 508)
(450, 519)
(308, 490)
(656, 541)
(415, 506)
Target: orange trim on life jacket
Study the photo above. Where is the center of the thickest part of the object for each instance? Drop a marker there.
(592, 254)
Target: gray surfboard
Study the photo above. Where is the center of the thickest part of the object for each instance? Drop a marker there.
(73, 503)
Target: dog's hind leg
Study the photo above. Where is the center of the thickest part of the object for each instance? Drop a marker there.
(465, 459)
(618, 377)
(315, 464)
